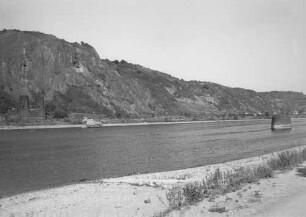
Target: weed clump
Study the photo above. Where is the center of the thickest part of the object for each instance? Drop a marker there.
(221, 182)
(175, 197)
(194, 192)
(287, 159)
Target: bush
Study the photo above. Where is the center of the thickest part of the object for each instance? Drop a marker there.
(287, 159)
(263, 171)
(66, 119)
(60, 113)
(77, 121)
(194, 192)
(175, 197)
(6, 102)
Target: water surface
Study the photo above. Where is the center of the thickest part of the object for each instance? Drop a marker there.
(38, 159)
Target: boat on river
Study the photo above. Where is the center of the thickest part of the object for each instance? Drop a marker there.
(91, 123)
(281, 122)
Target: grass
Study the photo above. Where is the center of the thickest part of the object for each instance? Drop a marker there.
(287, 159)
(221, 182)
(218, 183)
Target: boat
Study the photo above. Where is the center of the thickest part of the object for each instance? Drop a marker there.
(91, 123)
(281, 122)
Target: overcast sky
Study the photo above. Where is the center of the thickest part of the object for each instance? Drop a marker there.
(254, 44)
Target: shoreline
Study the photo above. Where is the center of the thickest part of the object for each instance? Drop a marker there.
(33, 127)
(195, 173)
(169, 177)
(143, 194)
(60, 126)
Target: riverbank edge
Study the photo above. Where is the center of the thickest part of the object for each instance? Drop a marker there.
(172, 177)
(196, 173)
(60, 126)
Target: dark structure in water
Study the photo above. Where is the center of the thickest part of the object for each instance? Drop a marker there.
(31, 112)
(281, 122)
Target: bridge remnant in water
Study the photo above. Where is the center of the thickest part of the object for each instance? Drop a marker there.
(281, 122)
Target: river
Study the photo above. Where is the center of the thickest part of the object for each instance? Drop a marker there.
(38, 159)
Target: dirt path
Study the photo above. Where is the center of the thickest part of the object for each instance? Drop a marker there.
(292, 206)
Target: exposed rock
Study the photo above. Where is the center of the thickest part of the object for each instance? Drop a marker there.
(147, 201)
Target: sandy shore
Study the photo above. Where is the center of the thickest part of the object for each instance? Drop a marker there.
(145, 195)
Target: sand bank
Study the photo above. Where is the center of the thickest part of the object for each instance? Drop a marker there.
(145, 195)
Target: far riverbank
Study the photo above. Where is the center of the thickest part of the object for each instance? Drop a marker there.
(58, 126)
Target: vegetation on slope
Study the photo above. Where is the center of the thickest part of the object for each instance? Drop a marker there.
(6, 102)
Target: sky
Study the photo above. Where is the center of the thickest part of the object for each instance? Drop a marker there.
(253, 44)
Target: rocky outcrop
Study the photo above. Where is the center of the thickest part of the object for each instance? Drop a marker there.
(72, 76)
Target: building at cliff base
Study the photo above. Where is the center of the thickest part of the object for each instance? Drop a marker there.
(35, 111)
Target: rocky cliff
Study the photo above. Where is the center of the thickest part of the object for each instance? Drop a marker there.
(72, 76)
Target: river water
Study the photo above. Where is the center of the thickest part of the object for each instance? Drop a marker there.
(38, 159)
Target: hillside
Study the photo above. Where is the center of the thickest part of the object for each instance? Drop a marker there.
(72, 76)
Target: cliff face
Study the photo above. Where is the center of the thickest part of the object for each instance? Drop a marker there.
(34, 63)
(72, 76)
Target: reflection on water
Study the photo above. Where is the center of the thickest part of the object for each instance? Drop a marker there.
(35, 159)
(282, 131)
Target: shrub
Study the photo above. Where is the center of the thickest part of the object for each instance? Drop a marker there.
(60, 113)
(175, 197)
(194, 192)
(22, 123)
(77, 121)
(263, 171)
(6, 102)
(66, 119)
(287, 159)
